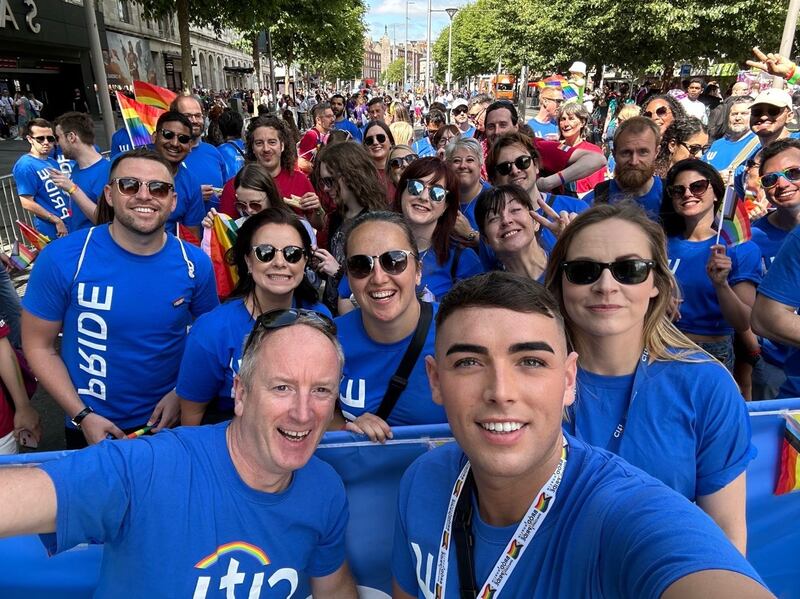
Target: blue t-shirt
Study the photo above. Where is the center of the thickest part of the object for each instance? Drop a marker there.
(700, 310)
(33, 179)
(469, 132)
(120, 142)
(722, 153)
(769, 240)
(558, 203)
(437, 277)
(213, 353)
(232, 153)
(468, 206)
(175, 517)
(687, 426)
(124, 317)
(547, 130)
(91, 180)
(423, 147)
(651, 201)
(208, 167)
(369, 365)
(348, 125)
(782, 284)
(612, 531)
(189, 208)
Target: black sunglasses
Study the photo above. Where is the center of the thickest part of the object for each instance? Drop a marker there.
(761, 109)
(276, 319)
(266, 253)
(393, 262)
(522, 163)
(791, 174)
(696, 188)
(660, 111)
(436, 193)
(627, 272)
(129, 186)
(397, 163)
(695, 149)
(167, 134)
(42, 138)
(459, 111)
(379, 138)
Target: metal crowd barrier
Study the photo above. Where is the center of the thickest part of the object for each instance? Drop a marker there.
(10, 211)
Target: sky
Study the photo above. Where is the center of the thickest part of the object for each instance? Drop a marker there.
(392, 13)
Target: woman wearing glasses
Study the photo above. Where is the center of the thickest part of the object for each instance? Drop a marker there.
(717, 283)
(465, 157)
(270, 255)
(684, 138)
(645, 391)
(400, 156)
(663, 109)
(378, 140)
(384, 270)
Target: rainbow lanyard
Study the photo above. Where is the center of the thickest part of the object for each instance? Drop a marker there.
(526, 530)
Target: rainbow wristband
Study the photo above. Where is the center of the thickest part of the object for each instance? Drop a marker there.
(561, 178)
(794, 76)
(72, 189)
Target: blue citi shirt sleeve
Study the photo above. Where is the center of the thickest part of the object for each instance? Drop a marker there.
(782, 281)
(747, 264)
(202, 373)
(329, 554)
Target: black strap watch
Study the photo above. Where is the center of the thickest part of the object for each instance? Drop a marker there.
(78, 418)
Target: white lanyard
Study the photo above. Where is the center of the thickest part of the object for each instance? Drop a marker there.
(523, 536)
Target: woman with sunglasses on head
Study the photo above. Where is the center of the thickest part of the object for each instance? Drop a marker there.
(384, 270)
(684, 138)
(663, 109)
(270, 254)
(378, 140)
(465, 157)
(645, 391)
(717, 283)
(400, 156)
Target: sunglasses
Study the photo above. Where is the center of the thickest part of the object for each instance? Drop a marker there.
(660, 111)
(393, 262)
(696, 188)
(522, 163)
(791, 174)
(436, 193)
(168, 135)
(41, 138)
(242, 207)
(627, 272)
(129, 186)
(379, 138)
(266, 253)
(556, 100)
(276, 319)
(761, 110)
(696, 149)
(458, 111)
(397, 163)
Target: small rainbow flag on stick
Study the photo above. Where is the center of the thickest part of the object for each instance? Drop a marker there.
(732, 224)
(140, 120)
(36, 239)
(219, 239)
(21, 256)
(153, 95)
(789, 472)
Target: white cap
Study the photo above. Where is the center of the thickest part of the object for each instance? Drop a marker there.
(458, 102)
(774, 97)
(578, 67)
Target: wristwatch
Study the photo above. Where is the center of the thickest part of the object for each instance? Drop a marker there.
(81, 415)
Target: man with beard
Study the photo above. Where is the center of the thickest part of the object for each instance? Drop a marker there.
(123, 295)
(636, 144)
(340, 118)
(726, 153)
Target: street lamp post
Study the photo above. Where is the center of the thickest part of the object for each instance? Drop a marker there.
(428, 56)
(451, 12)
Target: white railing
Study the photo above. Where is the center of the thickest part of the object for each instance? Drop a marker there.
(10, 211)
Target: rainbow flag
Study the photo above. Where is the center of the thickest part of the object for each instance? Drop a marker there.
(153, 95)
(789, 471)
(221, 236)
(140, 120)
(558, 81)
(185, 234)
(21, 257)
(32, 235)
(570, 91)
(732, 223)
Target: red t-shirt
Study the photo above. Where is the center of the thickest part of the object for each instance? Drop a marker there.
(312, 141)
(587, 184)
(6, 412)
(288, 184)
(555, 156)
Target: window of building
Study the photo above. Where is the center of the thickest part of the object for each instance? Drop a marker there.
(124, 11)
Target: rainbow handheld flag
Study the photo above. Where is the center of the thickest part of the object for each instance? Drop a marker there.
(21, 256)
(789, 472)
(36, 239)
(732, 223)
(221, 236)
(140, 120)
(153, 95)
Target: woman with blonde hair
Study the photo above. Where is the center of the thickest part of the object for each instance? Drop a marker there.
(402, 132)
(645, 391)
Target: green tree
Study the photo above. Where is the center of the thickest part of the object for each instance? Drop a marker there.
(394, 72)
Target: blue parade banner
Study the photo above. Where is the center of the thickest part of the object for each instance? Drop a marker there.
(371, 474)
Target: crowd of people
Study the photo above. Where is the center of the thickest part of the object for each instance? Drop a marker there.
(581, 327)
